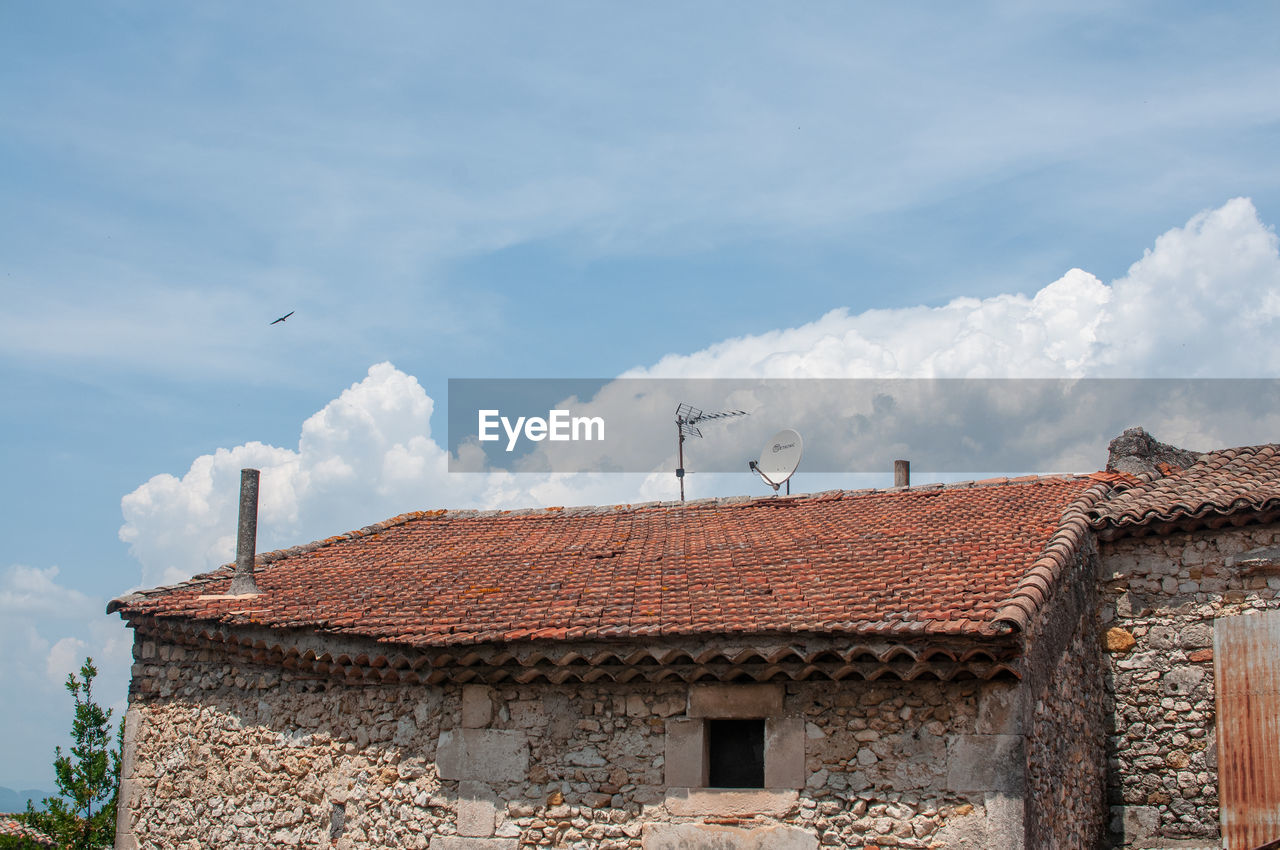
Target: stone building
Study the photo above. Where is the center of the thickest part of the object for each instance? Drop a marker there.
(1190, 587)
(1008, 663)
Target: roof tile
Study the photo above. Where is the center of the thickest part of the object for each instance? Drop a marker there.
(12, 827)
(909, 561)
(1222, 482)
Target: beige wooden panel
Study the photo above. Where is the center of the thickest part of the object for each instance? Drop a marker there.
(1246, 664)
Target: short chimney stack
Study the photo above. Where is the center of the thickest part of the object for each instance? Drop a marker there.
(242, 584)
(902, 473)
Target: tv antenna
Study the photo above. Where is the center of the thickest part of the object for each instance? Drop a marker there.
(779, 459)
(687, 419)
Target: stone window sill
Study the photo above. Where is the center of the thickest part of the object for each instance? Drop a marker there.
(729, 802)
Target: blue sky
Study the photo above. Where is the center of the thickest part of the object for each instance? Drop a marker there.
(560, 190)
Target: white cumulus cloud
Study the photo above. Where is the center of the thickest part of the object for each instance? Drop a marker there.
(48, 630)
(65, 657)
(1202, 302)
(365, 456)
(31, 592)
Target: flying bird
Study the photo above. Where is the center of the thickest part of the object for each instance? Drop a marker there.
(285, 316)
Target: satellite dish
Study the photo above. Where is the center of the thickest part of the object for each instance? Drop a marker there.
(779, 458)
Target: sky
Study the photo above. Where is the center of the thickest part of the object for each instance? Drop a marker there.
(564, 190)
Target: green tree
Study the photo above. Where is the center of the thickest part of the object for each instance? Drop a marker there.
(84, 816)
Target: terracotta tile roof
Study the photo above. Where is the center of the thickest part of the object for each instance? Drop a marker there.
(928, 560)
(11, 827)
(1222, 483)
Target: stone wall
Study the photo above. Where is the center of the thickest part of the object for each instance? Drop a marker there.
(223, 752)
(1064, 715)
(1160, 598)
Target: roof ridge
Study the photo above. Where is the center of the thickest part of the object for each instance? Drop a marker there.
(1037, 584)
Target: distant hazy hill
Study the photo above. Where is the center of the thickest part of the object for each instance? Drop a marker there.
(16, 801)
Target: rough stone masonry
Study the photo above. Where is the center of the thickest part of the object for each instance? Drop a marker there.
(1160, 597)
(249, 756)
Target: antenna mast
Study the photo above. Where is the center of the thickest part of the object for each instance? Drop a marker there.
(687, 419)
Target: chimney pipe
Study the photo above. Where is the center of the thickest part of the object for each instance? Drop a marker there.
(242, 584)
(902, 473)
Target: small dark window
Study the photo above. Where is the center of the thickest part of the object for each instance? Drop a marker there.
(735, 753)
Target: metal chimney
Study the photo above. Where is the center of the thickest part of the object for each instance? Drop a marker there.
(242, 584)
(902, 473)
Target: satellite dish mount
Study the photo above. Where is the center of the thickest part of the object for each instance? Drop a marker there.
(687, 419)
(779, 459)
